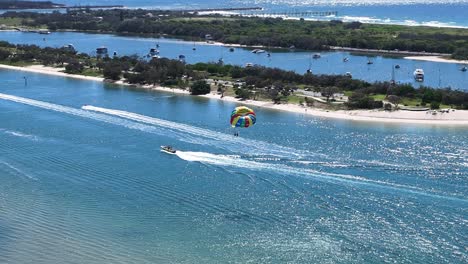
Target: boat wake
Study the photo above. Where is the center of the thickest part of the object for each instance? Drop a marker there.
(82, 113)
(263, 155)
(16, 171)
(233, 144)
(241, 163)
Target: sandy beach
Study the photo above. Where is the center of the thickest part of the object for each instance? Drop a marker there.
(436, 59)
(453, 117)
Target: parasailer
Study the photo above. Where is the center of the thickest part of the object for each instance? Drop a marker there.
(242, 116)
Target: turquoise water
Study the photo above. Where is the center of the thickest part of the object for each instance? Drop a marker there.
(84, 183)
(436, 74)
(446, 13)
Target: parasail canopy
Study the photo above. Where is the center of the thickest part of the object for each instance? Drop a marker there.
(243, 116)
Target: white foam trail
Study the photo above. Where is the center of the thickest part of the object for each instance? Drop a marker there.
(22, 135)
(222, 160)
(241, 145)
(17, 171)
(235, 161)
(81, 113)
(247, 144)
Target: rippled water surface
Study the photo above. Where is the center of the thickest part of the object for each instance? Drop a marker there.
(83, 181)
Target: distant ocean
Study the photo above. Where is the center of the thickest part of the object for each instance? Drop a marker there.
(443, 13)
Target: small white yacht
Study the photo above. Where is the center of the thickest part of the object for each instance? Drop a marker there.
(418, 75)
(256, 51)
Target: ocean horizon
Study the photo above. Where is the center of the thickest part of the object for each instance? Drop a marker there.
(437, 13)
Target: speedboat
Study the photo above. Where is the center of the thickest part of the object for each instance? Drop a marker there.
(316, 56)
(418, 75)
(168, 149)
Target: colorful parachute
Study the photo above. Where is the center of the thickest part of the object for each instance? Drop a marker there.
(243, 116)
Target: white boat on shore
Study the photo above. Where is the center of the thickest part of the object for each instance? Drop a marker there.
(418, 75)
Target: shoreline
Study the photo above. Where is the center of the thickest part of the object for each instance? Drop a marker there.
(453, 118)
(408, 55)
(436, 59)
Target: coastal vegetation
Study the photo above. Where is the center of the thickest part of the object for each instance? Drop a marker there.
(15, 4)
(258, 83)
(269, 32)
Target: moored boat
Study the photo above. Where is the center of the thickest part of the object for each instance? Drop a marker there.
(418, 75)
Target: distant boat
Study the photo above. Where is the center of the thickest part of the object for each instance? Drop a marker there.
(181, 57)
(256, 51)
(45, 32)
(268, 54)
(101, 51)
(69, 47)
(397, 66)
(231, 49)
(345, 59)
(464, 69)
(309, 71)
(316, 56)
(249, 64)
(292, 47)
(348, 74)
(153, 52)
(418, 75)
(369, 62)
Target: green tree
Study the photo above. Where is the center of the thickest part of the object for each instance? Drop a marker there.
(112, 71)
(200, 87)
(74, 67)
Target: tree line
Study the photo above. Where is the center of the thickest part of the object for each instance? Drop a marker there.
(272, 83)
(273, 32)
